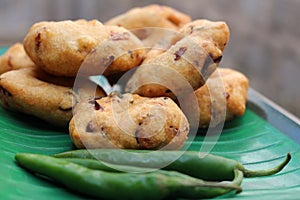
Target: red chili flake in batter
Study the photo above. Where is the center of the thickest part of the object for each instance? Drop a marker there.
(9, 62)
(90, 127)
(96, 105)
(38, 41)
(131, 54)
(226, 95)
(180, 52)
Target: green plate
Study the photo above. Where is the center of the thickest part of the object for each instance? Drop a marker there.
(2, 50)
(260, 139)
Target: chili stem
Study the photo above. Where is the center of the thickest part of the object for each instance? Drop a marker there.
(233, 185)
(267, 172)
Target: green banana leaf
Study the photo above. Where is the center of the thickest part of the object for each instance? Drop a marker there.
(252, 139)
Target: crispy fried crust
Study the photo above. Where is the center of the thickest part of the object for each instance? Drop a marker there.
(15, 58)
(27, 90)
(123, 47)
(217, 32)
(129, 121)
(150, 16)
(59, 48)
(151, 23)
(233, 87)
(194, 57)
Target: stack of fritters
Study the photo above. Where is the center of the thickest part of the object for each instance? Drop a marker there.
(172, 54)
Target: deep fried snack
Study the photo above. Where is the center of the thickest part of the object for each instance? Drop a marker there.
(28, 90)
(128, 121)
(195, 57)
(15, 58)
(216, 32)
(235, 92)
(150, 16)
(211, 36)
(152, 24)
(123, 48)
(59, 48)
(159, 42)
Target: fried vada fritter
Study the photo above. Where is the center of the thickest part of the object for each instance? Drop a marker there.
(27, 91)
(234, 88)
(218, 32)
(212, 36)
(124, 47)
(150, 16)
(15, 58)
(59, 48)
(195, 57)
(128, 121)
(152, 24)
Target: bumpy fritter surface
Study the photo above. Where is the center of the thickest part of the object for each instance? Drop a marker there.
(59, 48)
(216, 32)
(150, 16)
(151, 23)
(227, 84)
(15, 58)
(194, 57)
(128, 121)
(123, 50)
(32, 91)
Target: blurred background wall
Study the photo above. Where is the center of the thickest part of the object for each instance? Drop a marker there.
(264, 45)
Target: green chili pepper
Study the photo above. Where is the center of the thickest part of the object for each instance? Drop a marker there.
(209, 167)
(99, 165)
(155, 185)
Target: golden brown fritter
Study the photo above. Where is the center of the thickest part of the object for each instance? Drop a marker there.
(151, 23)
(225, 84)
(217, 32)
(27, 90)
(123, 48)
(129, 121)
(15, 58)
(60, 47)
(193, 58)
(150, 16)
